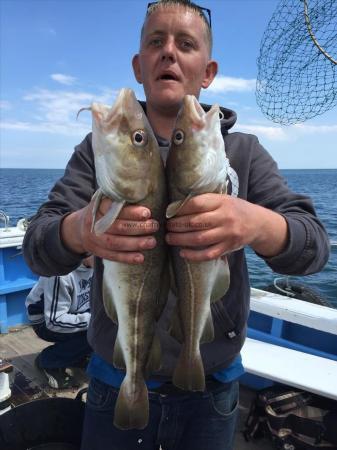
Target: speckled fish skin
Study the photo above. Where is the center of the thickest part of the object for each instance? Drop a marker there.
(129, 170)
(196, 164)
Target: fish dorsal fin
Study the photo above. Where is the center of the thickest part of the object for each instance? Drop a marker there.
(222, 280)
(174, 207)
(154, 359)
(108, 219)
(108, 301)
(208, 331)
(118, 358)
(109, 306)
(176, 328)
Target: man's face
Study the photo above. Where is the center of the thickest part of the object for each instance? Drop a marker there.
(174, 57)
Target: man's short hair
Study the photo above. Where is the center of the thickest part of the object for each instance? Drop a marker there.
(188, 5)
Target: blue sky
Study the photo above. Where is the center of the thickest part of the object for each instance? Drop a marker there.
(59, 56)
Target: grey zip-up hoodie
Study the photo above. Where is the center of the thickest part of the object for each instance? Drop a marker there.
(62, 302)
(260, 182)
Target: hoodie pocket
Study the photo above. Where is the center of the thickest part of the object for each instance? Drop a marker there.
(223, 323)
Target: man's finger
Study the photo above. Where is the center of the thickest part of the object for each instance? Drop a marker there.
(206, 254)
(133, 228)
(199, 204)
(126, 243)
(192, 222)
(129, 212)
(135, 212)
(195, 238)
(123, 257)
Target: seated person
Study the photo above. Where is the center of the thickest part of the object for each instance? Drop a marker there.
(58, 309)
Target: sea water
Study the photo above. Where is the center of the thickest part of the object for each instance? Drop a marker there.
(23, 191)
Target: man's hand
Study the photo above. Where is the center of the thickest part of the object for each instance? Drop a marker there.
(131, 233)
(211, 225)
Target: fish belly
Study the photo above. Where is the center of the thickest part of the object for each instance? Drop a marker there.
(129, 296)
(194, 283)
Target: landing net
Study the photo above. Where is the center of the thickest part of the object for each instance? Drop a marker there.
(297, 65)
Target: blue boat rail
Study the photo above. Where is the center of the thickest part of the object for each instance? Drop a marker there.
(284, 333)
(16, 279)
(292, 342)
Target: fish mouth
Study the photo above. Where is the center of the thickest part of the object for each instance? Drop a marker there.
(195, 112)
(120, 106)
(110, 117)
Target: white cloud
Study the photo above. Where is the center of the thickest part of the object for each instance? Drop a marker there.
(271, 133)
(281, 133)
(57, 111)
(223, 84)
(305, 128)
(59, 106)
(63, 79)
(72, 129)
(15, 125)
(4, 104)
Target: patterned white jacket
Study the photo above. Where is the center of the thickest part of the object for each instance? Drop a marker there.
(62, 302)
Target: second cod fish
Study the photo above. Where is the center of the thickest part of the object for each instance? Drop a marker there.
(129, 170)
(196, 164)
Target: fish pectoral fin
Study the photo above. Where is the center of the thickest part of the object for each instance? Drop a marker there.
(154, 359)
(108, 219)
(97, 197)
(222, 280)
(118, 358)
(132, 406)
(174, 207)
(176, 329)
(208, 331)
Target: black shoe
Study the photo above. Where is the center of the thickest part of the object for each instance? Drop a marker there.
(82, 363)
(57, 378)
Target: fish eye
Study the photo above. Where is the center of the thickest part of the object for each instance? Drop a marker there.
(221, 115)
(139, 138)
(178, 137)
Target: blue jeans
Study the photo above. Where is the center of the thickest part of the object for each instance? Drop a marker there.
(68, 350)
(191, 421)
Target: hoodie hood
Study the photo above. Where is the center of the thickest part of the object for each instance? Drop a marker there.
(227, 122)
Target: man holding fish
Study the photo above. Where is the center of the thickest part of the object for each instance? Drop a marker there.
(167, 337)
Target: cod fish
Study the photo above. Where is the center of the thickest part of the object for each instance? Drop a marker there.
(196, 164)
(129, 170)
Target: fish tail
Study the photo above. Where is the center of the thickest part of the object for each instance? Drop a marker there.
(189, 372)
(132, 406)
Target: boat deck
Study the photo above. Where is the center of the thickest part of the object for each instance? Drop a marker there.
(21, 346)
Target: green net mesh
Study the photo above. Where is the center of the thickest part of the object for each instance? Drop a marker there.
(297, 65)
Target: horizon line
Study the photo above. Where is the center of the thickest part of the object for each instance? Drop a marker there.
(63, 168)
